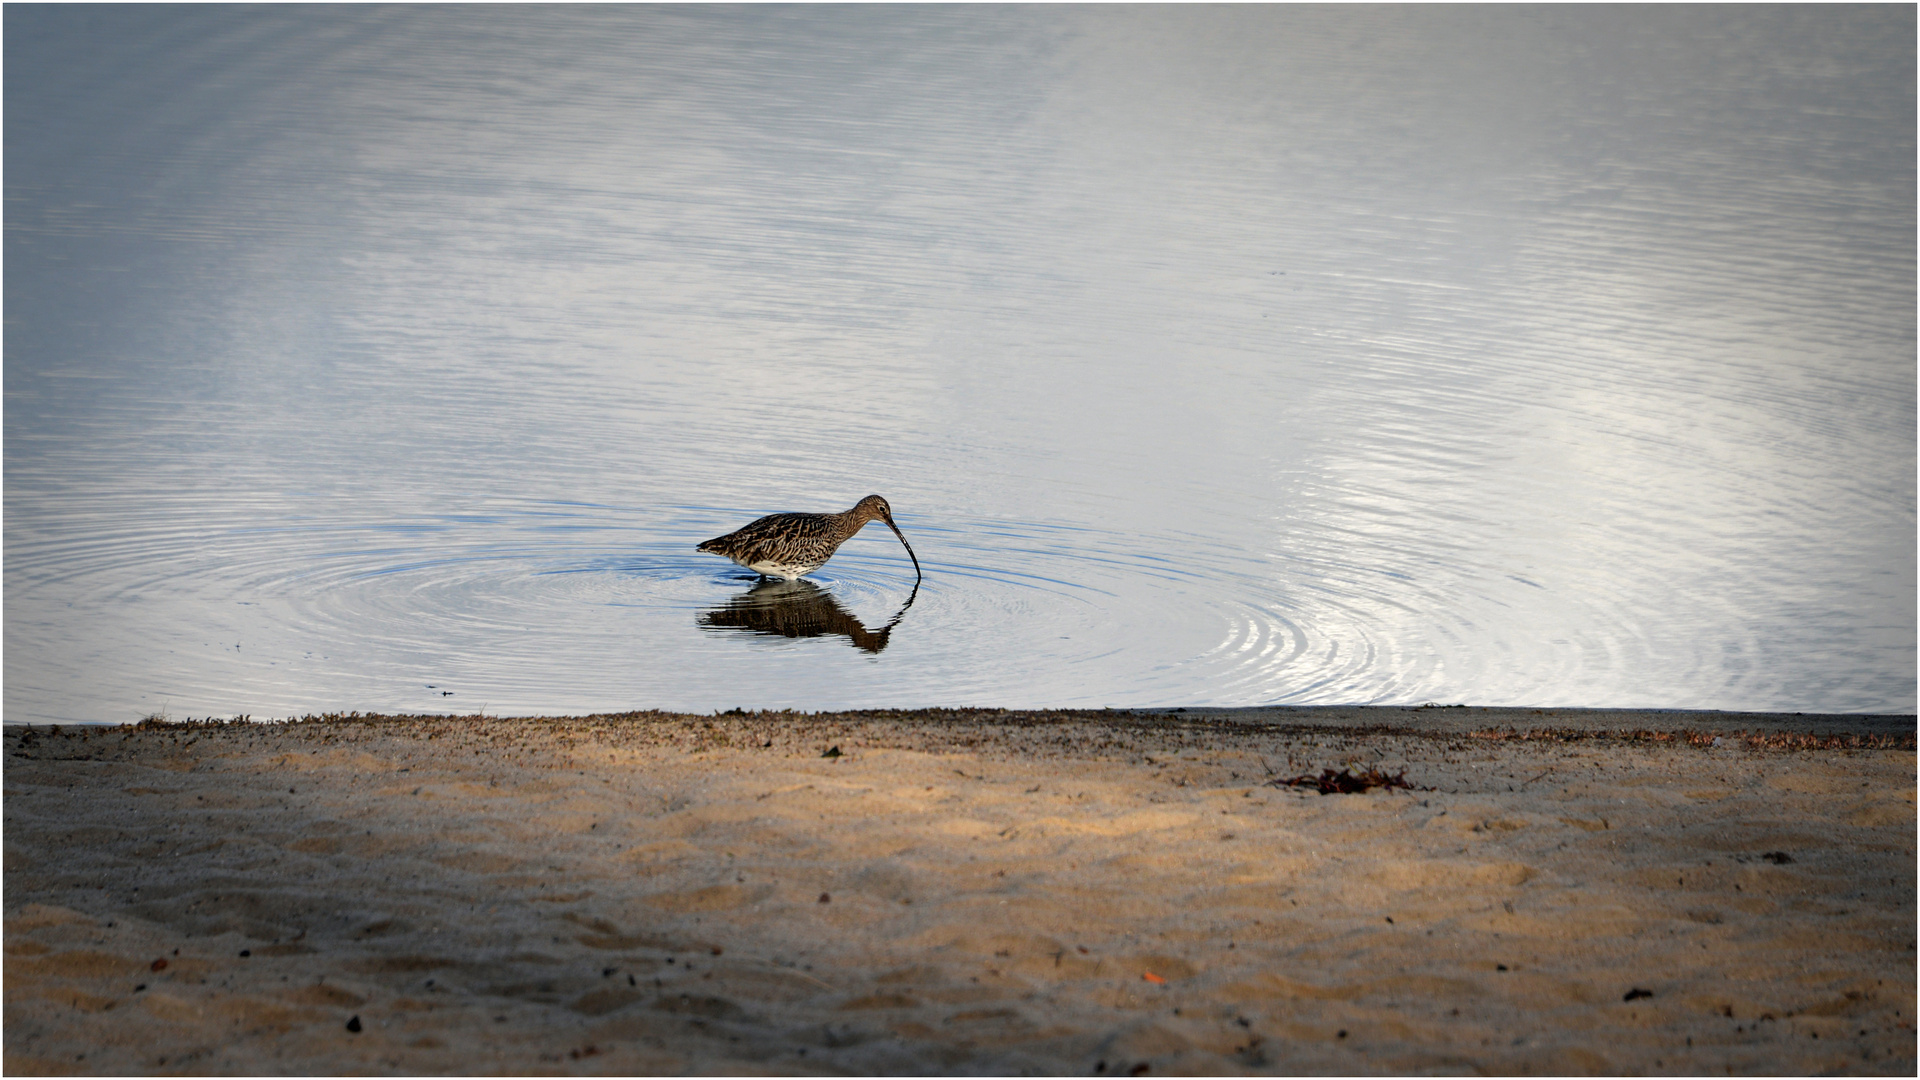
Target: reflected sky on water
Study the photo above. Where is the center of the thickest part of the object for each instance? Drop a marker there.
(396, 358)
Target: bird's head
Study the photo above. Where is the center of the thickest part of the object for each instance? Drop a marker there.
(873, 506)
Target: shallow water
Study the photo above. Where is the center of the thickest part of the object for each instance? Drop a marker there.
(397, 358)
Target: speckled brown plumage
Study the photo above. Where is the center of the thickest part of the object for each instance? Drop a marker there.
(791, 545)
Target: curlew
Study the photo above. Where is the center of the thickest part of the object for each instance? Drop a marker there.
(791, 545)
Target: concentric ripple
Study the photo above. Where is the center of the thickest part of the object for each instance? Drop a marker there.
(517, 607)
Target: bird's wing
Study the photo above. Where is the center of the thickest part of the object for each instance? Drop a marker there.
(776, 534)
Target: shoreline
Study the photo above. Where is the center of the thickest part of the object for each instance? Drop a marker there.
(964, 891)
(1405, 720)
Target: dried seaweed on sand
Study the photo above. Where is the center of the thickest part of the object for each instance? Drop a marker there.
(1348, 782)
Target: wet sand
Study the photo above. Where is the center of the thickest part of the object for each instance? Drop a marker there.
(968, 892)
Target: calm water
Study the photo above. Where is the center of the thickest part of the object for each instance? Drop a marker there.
(397, 358)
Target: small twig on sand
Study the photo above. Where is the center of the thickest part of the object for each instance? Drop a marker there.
(1524, 783)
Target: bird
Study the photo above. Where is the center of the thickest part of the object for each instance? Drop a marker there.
(792, 545)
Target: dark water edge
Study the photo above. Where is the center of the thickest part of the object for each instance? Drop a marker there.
(1466, 719)
(1762, 730)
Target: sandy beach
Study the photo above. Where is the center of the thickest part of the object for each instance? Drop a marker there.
(1100, 893)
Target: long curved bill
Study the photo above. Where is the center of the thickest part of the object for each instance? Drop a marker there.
(910, 554)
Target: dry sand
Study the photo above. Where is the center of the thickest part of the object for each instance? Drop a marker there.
(969, 892)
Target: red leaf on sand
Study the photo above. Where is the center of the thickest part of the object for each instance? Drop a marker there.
(1152, 978)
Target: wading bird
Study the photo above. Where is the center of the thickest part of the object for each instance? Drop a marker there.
(791, 545)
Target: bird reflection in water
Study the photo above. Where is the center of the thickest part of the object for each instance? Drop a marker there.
(798, 609)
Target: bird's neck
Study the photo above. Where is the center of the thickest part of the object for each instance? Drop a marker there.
(847, 523)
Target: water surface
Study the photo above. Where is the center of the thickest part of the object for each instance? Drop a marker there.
(397, 358)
